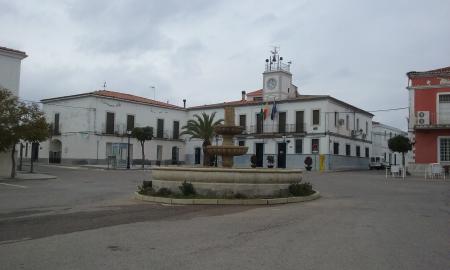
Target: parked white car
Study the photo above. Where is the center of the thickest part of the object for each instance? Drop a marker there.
(378, 163)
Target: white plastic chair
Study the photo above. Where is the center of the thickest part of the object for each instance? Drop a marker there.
(435, 170)
(395, 171)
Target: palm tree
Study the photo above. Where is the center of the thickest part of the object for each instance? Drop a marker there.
(202, 127)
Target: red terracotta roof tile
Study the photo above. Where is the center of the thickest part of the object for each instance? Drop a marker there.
(255, 93)
(129, 97)
(439, 71)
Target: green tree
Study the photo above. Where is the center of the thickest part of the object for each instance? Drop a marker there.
(19, 121)
(400, 144)
(202, 127)
(142, 134)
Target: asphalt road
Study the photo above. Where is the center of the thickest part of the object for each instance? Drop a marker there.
(85, 219)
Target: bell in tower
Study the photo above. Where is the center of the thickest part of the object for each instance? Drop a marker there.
(277, 78)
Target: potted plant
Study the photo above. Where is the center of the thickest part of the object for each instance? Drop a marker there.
(308, 162)
(270, 161)
(253, 160)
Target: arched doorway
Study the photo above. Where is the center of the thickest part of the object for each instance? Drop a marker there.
(54, 155)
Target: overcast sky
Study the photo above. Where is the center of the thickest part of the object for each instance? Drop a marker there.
(209, 51)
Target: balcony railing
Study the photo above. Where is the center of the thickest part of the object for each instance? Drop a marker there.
(56, 130)
(431, 120)
(167, 135)
(275, 129)
(278, 67)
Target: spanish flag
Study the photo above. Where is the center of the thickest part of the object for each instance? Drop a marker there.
(266, 110)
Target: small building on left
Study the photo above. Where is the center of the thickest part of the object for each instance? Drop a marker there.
(10, 62)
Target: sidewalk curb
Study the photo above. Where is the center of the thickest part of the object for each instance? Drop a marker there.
(274, 201)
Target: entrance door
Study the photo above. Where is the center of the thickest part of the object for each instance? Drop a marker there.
(174, 155)
(55, 151)
(281, 160)
(259, 154)
(197, 155)
(34, 151)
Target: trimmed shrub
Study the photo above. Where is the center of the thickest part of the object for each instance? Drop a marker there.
(187, 189)
(146, 189)
(164, 192)
(240, 196)
(301, 189)
(253, 160)
(308, 161)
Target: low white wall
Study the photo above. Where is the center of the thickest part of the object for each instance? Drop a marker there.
(5, 164)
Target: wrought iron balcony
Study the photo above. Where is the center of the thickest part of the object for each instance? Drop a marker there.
(275, 129)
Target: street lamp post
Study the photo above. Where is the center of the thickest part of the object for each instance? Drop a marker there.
(128, 149)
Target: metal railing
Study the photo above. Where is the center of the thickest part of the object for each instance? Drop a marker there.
(167, 135)
(278, 67)
(56, 130)
(275, 129)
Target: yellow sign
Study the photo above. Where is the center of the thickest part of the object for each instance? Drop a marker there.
(322, 162)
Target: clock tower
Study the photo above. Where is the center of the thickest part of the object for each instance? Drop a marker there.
(277, 78)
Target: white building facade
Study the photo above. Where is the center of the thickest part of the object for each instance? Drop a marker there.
(10, 62)
(381, 134)
(90, 128)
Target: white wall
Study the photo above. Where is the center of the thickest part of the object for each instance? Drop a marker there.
(10, 73)
(381, 134)
(83, 123)
(327, 109)
(10, 79)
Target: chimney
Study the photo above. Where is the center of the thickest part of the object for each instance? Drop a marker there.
(243, 95)
(184, 103)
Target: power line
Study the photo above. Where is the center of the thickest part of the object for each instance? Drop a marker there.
(392, 109)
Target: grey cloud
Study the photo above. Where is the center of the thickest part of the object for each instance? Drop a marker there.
(123, 26)
(358, 51)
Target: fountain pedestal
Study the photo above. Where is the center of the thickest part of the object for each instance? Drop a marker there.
(227, 150)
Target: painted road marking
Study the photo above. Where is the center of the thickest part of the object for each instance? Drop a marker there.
(19, 186)
(14, 241)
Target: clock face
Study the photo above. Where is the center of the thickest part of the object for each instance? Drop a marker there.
(271, 83)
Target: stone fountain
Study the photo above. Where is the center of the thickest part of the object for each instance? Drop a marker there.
(227, 150)
(227, 181)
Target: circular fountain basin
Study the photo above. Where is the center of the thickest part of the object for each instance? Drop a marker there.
(224, 181)
(228, 130)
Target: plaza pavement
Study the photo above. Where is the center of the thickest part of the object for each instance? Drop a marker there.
(86, 219)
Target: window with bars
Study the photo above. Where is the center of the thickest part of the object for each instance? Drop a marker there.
(299, 146)
(444, 98)
(336, 148)
(316, 117)
(444, 109)
(444, 149)
(243, 120)
(130, 122)
(347, 150)
(315, 145)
